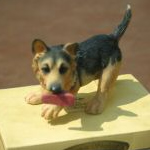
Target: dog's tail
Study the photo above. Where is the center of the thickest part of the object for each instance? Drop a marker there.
(120, 30)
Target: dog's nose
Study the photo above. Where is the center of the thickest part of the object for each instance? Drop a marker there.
(56, 88)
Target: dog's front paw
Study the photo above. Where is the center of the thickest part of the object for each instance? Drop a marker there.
(95, 106)
(33, 99)
(50, 111)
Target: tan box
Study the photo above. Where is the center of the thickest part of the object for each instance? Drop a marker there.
(126, 118)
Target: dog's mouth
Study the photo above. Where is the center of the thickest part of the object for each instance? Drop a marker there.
(61, 99)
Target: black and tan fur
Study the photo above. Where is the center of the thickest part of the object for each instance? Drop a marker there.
(68, 67)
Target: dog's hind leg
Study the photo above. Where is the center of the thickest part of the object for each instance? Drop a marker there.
(106, 82)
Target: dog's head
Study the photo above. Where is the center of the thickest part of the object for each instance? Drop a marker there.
(54, 66)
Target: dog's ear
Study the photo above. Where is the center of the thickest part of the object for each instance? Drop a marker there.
(71, 48)
(38, 46)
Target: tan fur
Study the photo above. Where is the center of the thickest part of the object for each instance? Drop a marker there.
(109, 76)
(106, 82)
(35, 67)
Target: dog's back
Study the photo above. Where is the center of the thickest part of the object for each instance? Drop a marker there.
(95, 53)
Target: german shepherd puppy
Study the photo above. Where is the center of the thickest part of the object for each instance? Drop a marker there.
(67, 67)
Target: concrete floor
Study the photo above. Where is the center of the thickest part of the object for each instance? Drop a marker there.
(57, 21)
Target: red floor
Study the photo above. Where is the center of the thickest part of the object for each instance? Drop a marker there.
(64, 21)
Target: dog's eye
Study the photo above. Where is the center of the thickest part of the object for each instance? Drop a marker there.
(63, 69)
(45, 69)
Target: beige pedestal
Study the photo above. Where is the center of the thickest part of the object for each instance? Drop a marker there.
(126, 118)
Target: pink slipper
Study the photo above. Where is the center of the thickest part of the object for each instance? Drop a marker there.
(63, 99)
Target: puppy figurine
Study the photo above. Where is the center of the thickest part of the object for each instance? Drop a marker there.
(67, 67)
